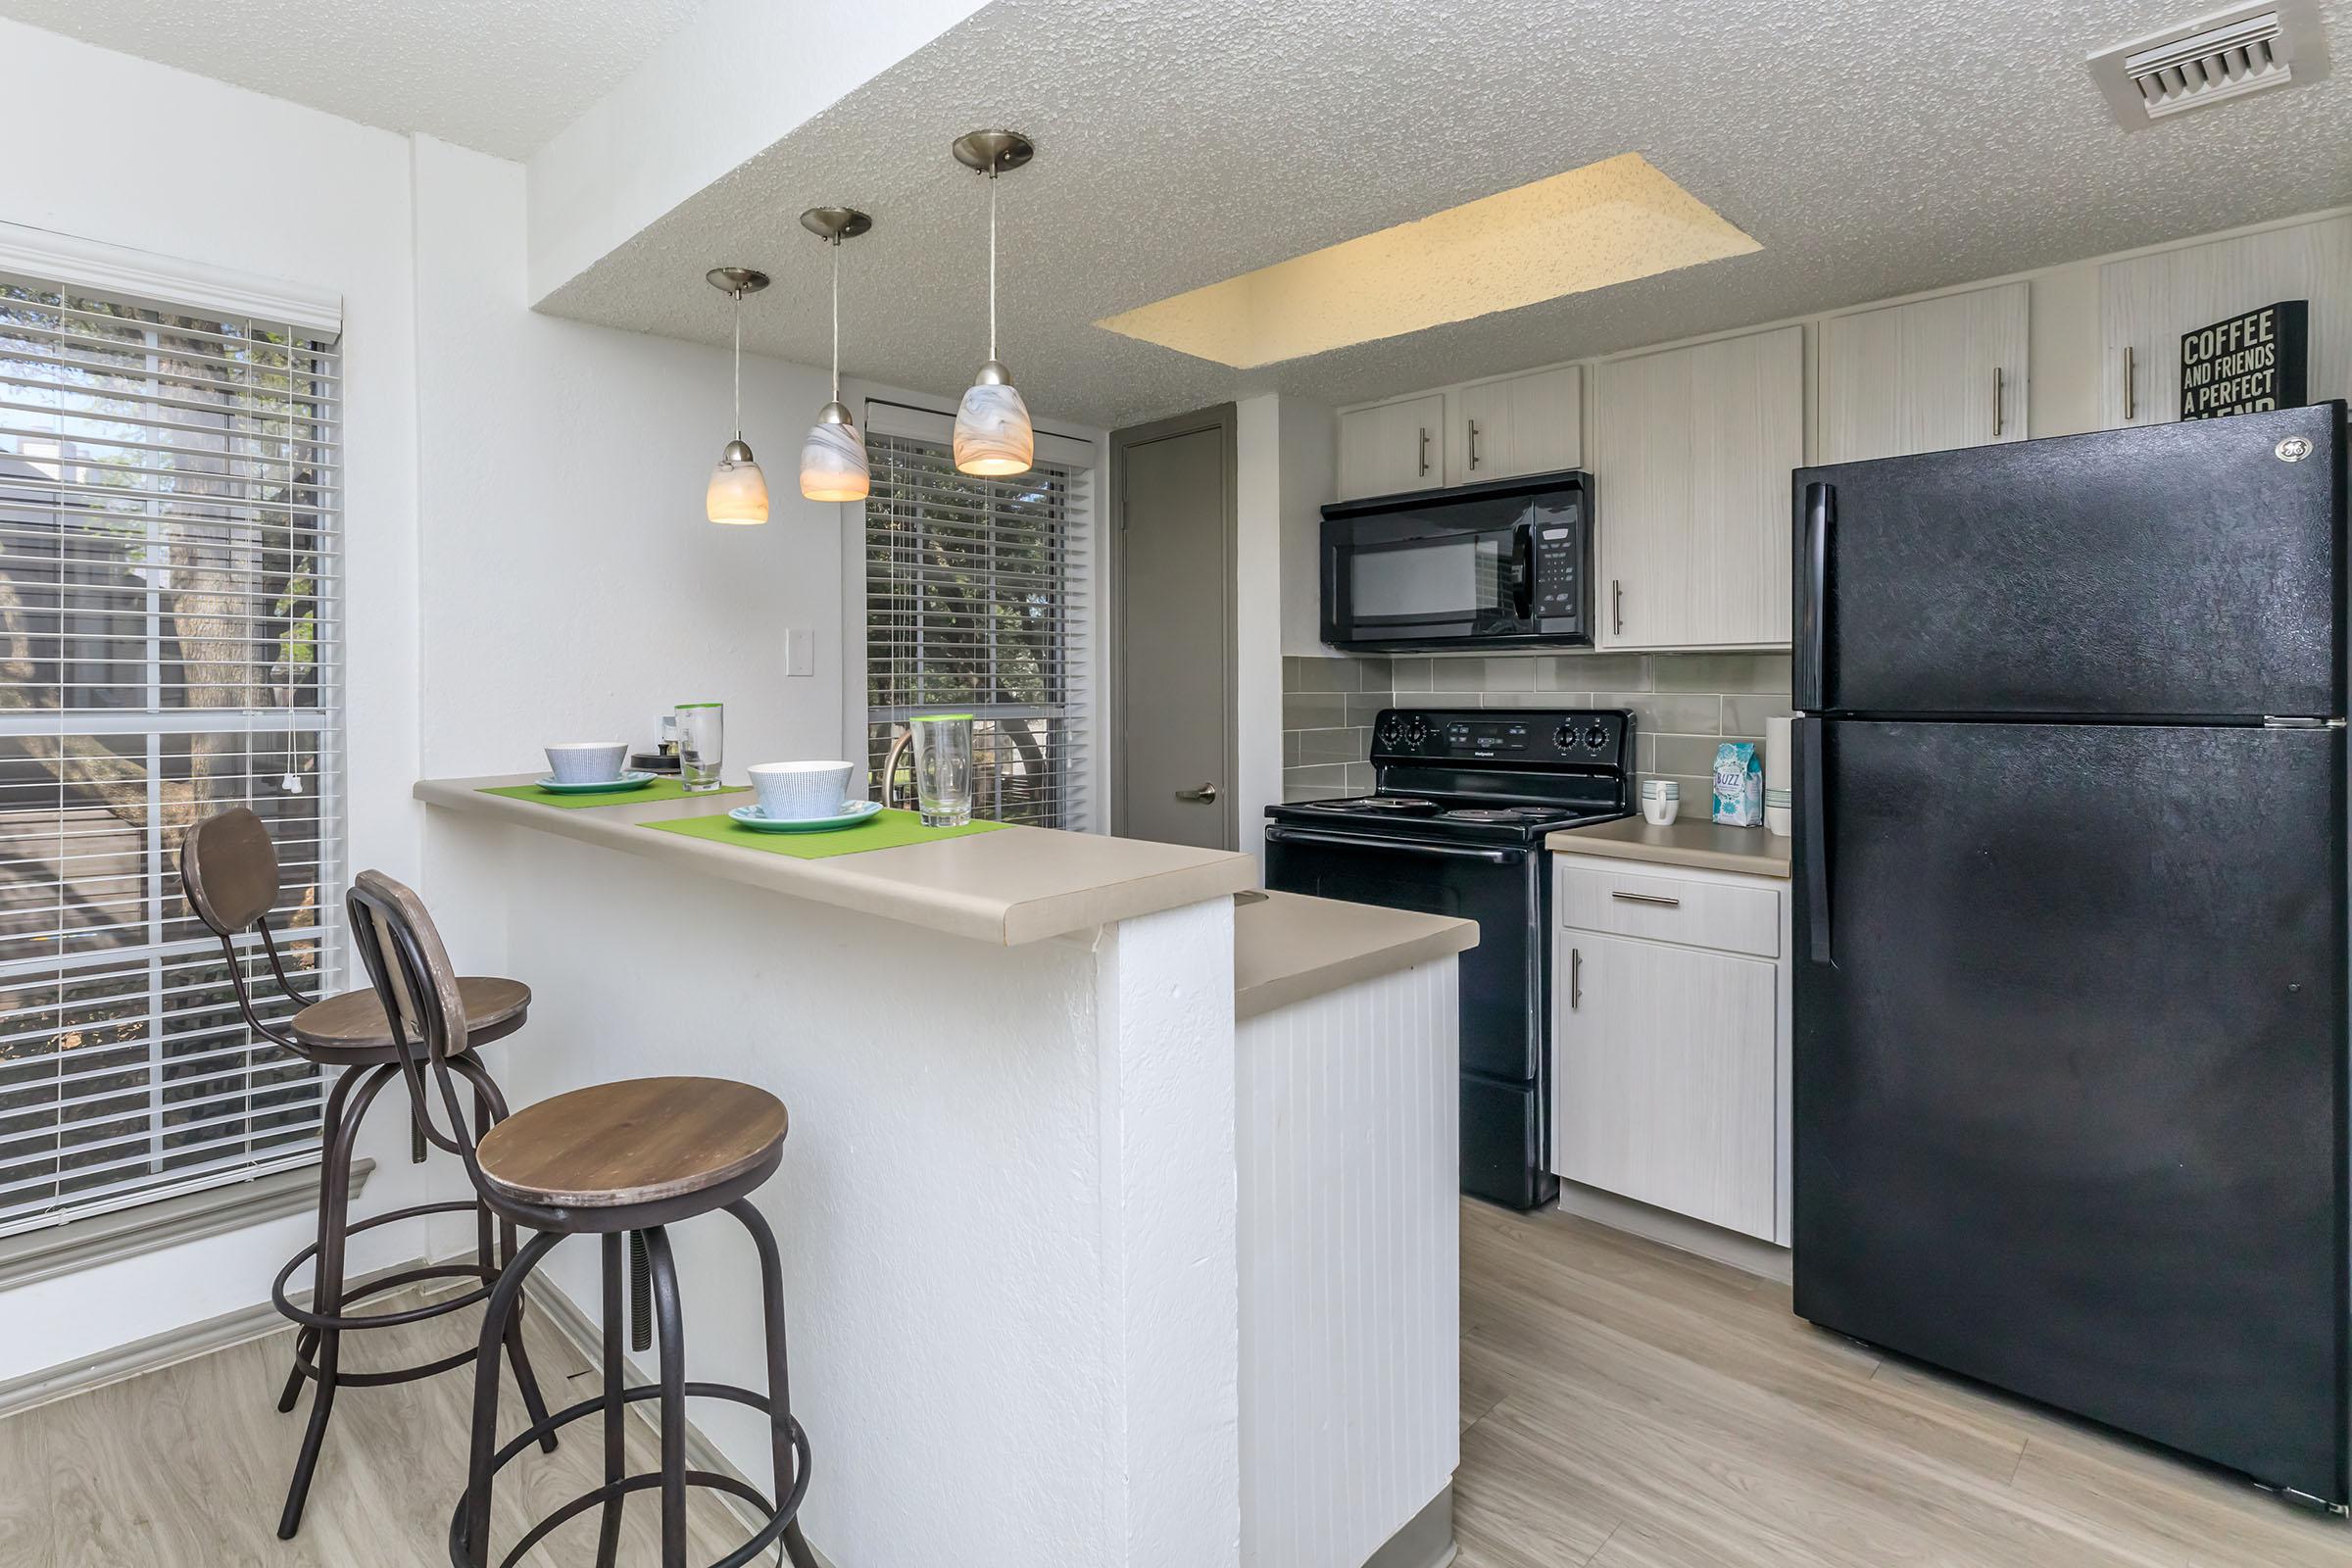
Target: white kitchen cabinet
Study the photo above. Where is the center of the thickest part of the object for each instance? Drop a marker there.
(2147, 303)
(1668, 1047)
(1692, 449)
(1392, 447)
(1926, 376)
(1533, 423)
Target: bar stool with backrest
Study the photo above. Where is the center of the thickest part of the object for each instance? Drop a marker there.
(637, 1156)
(228, 869)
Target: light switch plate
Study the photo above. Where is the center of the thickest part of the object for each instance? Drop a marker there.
(800, 652)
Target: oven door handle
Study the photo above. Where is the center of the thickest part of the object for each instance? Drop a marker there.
(1443, 852)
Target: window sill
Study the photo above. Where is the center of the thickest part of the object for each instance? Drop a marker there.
(103, 1239)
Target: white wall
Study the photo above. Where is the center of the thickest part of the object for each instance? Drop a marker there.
(1257, 611)
(190, 169)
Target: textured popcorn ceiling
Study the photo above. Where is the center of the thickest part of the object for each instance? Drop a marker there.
(498, 75)
(1871, 148)
(1607, 222)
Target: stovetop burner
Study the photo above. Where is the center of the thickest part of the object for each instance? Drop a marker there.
(1508, 814)
(1392, 804)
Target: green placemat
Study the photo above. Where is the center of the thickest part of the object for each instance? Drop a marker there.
(661, 788)
(884, 830)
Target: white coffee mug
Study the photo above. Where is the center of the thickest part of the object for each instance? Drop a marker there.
(1662, 809)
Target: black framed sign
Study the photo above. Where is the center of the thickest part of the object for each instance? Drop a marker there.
(2256, 360)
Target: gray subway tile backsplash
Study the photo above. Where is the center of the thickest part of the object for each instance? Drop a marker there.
(1685, 704)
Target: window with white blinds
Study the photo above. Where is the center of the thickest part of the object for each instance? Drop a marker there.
(169, 488)
(976, 601)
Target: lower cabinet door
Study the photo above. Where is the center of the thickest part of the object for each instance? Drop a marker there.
(1665, 1074)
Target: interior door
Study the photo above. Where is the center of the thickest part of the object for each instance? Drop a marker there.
(2070, 1070)
(1175, 768)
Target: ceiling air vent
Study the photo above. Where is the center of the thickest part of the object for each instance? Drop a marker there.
(2225, 55)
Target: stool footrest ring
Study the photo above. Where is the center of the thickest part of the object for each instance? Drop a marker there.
(780, 1513)
(309, 1318)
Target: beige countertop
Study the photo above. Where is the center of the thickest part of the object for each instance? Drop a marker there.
(1013, 886)
(1288, 947)
(1689, 841)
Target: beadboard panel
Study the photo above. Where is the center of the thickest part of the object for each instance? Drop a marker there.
(1350, 1256)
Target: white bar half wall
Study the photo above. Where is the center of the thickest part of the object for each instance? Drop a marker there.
(1351, 1240)
(1006, 1207)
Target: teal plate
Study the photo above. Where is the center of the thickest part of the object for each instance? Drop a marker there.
(632, 780)
(759, 822)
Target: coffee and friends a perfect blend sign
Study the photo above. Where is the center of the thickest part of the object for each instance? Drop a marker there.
(2253, 361)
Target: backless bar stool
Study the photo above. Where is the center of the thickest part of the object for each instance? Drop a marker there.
(228, 869)
(636, 1157)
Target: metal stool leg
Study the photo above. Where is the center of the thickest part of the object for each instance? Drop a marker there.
(616, 1412)
(490, 1109)
(331, 1118)
(483, 1448)
(334, 1216)
(779, 1381)
(670, 1331)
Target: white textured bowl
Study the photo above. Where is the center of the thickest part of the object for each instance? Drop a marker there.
(587, 762)
(793, 792)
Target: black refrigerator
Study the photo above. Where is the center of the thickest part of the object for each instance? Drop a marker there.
(2071, 1033)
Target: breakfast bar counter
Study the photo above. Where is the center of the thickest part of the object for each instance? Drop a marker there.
(1012, 886)
(1038, 1306)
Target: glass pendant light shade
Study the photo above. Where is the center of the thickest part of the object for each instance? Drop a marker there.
(738, 492)
(993, 432)
(833, 464)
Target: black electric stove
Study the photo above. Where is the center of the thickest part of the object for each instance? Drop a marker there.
(1456, 826)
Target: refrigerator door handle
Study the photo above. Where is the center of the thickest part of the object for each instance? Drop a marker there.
(1813, 606)
(1813, 823)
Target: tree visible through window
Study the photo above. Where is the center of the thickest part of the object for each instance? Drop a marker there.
(975, 603)
(168, 489)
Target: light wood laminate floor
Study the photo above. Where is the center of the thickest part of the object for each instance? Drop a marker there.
(1623, 1407)
(186, 1467)
(1630, 1406)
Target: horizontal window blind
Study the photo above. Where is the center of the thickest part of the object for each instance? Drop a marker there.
(977, 602)
(169, 493)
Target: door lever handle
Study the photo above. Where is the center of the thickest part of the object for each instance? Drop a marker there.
(1207, 795)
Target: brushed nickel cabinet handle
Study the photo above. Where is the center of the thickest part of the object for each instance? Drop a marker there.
(1425, 449)
(1616, 606)
(1576, 978)
(1659, 899)
(1473, 446)
(1207, 795)
(2130, 390)
(1996, 403)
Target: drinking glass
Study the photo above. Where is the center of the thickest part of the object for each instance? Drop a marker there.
(702, 746)
(943, 768)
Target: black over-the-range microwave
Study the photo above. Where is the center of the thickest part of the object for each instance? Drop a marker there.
(1506, 563)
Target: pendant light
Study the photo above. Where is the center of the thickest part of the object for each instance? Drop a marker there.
(993, 433)
(833, 465)
(738, 492)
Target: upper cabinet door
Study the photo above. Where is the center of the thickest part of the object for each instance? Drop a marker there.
(1393, 447)
(1532, 423)
(1927, 376)
(2147, 303)
(1692, 452)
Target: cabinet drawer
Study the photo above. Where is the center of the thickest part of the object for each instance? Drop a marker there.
(1670, 909)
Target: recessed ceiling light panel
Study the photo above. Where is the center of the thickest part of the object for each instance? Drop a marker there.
(1606, 222)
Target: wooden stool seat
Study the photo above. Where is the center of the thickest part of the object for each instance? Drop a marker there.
(351, 1030)
(638, 1140)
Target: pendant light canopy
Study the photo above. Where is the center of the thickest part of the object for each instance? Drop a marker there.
(993, 433)
(833, 462)
(738, 492)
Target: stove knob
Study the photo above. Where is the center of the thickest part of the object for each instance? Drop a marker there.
(1416, 730)
(1564, 738)
(1391, 730)
(1598, 735)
